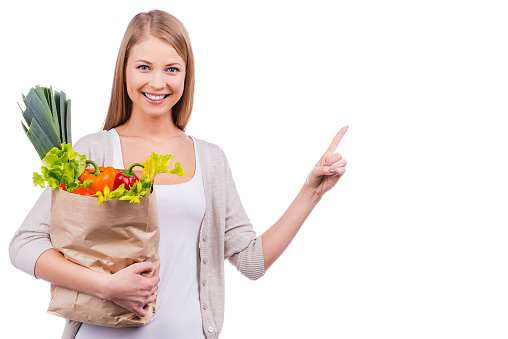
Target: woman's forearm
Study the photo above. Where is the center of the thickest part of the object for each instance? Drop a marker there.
(53, 267)
(278, 237)
(323, 177)
(126, 288)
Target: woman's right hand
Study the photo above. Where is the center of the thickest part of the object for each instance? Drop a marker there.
(129, 289)
(126, 288)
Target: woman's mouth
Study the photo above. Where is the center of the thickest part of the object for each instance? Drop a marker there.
(155, 97)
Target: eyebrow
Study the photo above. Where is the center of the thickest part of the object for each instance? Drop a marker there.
(148, 62)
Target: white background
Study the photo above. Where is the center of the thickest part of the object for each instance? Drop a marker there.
(412, 242)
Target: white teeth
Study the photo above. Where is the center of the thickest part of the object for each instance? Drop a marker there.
(155, 97)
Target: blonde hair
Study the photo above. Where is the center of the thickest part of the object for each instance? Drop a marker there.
(169, 29)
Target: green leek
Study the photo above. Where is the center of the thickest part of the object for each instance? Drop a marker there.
(47, 119)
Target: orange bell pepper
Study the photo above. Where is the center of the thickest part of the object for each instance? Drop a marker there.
(100, 176)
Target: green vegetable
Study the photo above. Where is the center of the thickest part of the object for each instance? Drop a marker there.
(60, 166)
(132, 195)
(47, 119)
(64, 166)
(153, 165)
(156, 164)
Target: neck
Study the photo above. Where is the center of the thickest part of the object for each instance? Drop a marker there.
(155, 128)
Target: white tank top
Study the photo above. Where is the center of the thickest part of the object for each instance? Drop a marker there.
(180, 208)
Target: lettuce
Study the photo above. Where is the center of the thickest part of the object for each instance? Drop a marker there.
(60, 166)
(133, 195)
(156, 164)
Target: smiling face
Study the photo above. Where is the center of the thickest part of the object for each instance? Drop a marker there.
(154, 78)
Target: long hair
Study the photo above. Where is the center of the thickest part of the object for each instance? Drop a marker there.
(169, 29)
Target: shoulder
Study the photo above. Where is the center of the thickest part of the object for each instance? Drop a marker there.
(213, 159)
(94, 140)
(210, 150)
(97, 147)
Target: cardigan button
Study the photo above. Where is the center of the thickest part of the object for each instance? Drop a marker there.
(204, 237)
(205, 306)
(210, 329)
(205, 261)
(204, 282)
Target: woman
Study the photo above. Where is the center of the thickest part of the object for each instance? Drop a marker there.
(201, 218)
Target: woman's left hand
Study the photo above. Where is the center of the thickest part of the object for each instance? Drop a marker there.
(329, 169)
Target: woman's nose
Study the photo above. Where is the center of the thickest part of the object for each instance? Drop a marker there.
(157, 81)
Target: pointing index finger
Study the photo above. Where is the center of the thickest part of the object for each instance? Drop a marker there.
(336, 140)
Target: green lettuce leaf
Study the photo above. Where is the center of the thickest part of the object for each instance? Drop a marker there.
(132, 195)
(178, 170)
(156, 164)
(60, 166)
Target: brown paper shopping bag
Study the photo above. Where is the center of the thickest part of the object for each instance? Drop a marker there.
(104, 238)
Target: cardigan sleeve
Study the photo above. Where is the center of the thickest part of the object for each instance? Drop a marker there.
(32, 238)
(242, 247)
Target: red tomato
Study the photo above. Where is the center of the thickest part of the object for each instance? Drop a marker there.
(83, 191)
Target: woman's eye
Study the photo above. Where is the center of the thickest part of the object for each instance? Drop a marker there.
(173, 69)
(143, 67)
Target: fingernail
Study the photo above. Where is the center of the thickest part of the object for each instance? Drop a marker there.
(333, 170)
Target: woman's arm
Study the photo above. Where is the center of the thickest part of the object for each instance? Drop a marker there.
(126, 288)
(321, 179)
(31, 251)
(278, 237)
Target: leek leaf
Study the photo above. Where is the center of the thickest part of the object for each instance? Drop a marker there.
(32, 113)
(68, 120)
(47, 120)
(63, 117)
(41, 142)
(42, 111)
